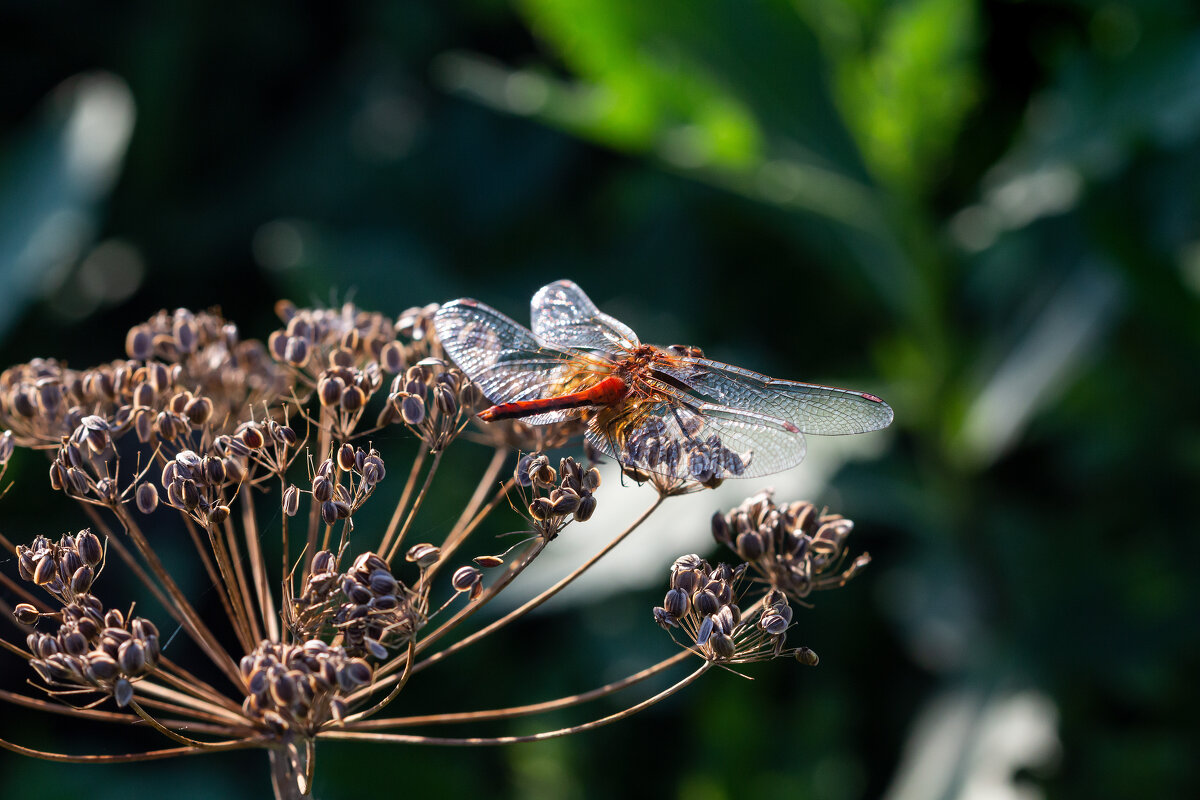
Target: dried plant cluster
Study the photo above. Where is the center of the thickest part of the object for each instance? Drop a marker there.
(225, 434)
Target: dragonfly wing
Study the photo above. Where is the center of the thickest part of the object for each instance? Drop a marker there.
(501, 356)
(810, 407)
(680, 441)
(563, 315)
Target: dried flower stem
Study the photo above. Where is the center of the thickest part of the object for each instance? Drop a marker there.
(526, 710)
(222, 589)
(390, 553)
(191, 619)
(533, 603)
(402, 504)
(262, 581)
(364, 736)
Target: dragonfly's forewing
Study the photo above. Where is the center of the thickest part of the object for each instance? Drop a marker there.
(564, 316)
(812, 408)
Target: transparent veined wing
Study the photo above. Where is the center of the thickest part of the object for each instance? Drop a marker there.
(562, 315)
(810, 407)
(670, 437)
(501, 356)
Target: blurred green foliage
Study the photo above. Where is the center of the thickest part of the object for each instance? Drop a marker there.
(987, 212)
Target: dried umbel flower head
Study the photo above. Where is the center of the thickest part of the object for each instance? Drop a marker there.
(297, 688)
(556, 497)
(203, 429)
(435, 400)
(90, 650)
(703, 601)
(793, 547)
(371, 612)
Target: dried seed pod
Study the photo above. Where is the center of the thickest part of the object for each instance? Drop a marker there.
(103, 666)
(382, 582)
(353, 398)
(376, 649)
(465, 578)
(676, 603)
(296, 351)
(131, 656)
(81, 579)
(329, 390)
(540, 509)
(412, 410)
(345, 457)
(706, 602)
(488, 562)
(45, 572)
(806, 657)
(122, 691)
(587, 507)
(90, 549)
(198, 410)
(26, 613)
(563, 501)
(391, 358)
(355, 673)
(722, 645)
(291, 500)
(218, 514)
(323, 561)
(423, 555)
(322, 489)
(251, 435)
(146, 497)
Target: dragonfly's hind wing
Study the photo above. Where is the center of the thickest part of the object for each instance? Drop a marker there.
(673, 437)
(501, 356)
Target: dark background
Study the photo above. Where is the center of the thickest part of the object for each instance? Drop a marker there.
(986, 212)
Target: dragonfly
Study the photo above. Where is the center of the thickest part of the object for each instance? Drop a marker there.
(669, 411)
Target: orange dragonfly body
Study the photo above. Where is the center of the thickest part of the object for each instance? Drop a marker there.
(665, 410)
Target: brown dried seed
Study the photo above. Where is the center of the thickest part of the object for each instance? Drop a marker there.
(587, 507)
(676, 603)
(296, 351)
(251, 435)
(323, 561)
(423, 555)
(540, 509)
(464, 578)
(345, 457)
(412, 409)
(146, 497)
(322, 489)
(132, 657)
(122, 692)
(291, 500)
(329, 391)
(353, 398)
(705, 602)
(81, 579)
(722, 645)
(218, 515)
(46, 571)
(806, 657)
(26, 613)
(488, 562)
(198, 410)
(102, 665)
(89, 547)
(382, 582)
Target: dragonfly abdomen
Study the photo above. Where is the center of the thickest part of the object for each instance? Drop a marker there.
(606, 392)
